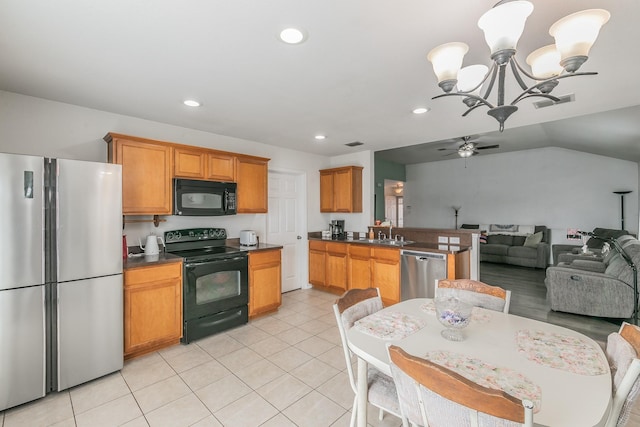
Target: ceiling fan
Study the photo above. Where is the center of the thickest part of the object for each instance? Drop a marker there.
(468, 148)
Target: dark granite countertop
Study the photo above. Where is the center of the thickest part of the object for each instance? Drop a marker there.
(235, 243)
(415, 246)
(143, 261)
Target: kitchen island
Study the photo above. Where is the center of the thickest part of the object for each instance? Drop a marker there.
(338, 265)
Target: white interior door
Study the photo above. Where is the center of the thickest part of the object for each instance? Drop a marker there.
(284, 224)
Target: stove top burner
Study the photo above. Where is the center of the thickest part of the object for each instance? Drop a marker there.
(208, 252)
(200, 244)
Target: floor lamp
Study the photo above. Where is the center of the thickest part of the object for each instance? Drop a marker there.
(622, 193)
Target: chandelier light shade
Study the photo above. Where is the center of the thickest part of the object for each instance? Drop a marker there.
(447, 60)
(503, 25)
(575, 34)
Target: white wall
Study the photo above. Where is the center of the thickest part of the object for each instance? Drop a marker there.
(40, 127)
(555, 187)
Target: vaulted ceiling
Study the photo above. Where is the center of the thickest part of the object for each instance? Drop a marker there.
(357, 77)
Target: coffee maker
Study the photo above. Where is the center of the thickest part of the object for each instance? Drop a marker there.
(337, 228)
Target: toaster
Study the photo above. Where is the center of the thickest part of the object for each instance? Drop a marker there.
(248, 238)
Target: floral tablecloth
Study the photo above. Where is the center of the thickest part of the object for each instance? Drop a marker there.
(511, 382)
(390, 325)
(563, 352)
(477, 315)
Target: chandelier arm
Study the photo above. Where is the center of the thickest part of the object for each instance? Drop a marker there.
(466, 95)
(501, 76)
(493, 71)
(514, 68)
(471, 109)
(525, 95)
(537, 85)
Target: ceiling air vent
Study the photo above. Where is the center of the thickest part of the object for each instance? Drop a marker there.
(354, 144)
(548, 103)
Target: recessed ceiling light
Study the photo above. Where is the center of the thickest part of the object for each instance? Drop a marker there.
(292, 35)
(320, 137)
(420, 110)
(191, 103)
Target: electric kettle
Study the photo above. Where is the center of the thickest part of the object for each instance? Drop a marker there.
(151, 247)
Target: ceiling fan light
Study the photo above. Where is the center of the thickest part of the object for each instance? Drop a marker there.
(447, 60)
(465, 153)
(545, 62)
(575, 34)
(470, 77)
(503, 24)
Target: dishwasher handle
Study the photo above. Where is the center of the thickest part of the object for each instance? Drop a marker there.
(424, 256)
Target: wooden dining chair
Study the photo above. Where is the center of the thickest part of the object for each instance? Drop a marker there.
(623, 353)
(352, 306)
(446, 398)
(476, 293)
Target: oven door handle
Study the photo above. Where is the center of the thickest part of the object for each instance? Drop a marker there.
(217, 261)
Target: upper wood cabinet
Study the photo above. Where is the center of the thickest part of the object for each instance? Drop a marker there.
(221, 167)
(146, 174)
(252, 177)
(189, 163)
(341, 189)
(148, 169)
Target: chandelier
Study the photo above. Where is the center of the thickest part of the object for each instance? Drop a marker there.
(503, 25)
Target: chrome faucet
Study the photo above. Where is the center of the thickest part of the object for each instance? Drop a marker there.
(390, 227)
(381, 235)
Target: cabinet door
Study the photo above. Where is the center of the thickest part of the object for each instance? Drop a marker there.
(317, 265)
(146, 177)
(343, 198)
(152, 308)
(336, 262)
(222, 167)
(359, 267)
(385, 270)
(326, 191)
(252, 190)
(189, 163)
(265, 282)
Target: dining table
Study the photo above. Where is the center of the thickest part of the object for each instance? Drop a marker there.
(564, 372)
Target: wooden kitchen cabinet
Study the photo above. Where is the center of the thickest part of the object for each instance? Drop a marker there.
(146, 174)
(252, 177)
(341, 189)
(385, 273)
(317, 264)
(359, 267)
(188, 163)
(265, 281)
(152, 308)
(221, 167)
(336, 266)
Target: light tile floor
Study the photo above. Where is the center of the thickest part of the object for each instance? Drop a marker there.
(284, 369)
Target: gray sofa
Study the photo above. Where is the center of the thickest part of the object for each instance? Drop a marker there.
(511, 249)
(595, 288)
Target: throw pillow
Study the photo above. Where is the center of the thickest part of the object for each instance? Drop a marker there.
(533, 239)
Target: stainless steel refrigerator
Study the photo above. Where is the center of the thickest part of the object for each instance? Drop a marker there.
(61, 308)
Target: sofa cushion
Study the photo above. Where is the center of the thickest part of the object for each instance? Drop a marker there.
(533, 240)
(495, 249)
(605, 233)
(500, 239)
(519, 240)
(522, 252)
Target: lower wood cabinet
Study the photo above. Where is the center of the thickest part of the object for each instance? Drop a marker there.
(317, 267)
(385, 273)
(265, 281)
(359, 267)
(152, 308)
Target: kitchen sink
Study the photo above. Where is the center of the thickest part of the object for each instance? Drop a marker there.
(389, 242)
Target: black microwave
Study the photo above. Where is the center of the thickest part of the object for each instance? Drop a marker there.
(203, 198)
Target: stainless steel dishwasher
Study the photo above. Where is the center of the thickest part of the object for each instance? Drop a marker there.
(418, 273)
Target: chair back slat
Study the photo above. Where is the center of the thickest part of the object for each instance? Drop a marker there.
(456, 388)
(354, 296)
(474, 286)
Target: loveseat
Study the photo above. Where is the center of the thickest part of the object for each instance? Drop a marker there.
(595, 288)
(526, 246)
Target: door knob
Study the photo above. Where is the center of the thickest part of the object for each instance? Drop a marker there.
(299, 237)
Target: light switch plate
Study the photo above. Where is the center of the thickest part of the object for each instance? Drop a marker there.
(443, 247)
(454, 240)
(443, 239)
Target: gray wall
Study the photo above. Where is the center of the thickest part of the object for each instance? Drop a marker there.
(555, 187)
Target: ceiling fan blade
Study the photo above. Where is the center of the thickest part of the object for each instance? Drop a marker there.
(447, 149)
(450, 154)
(487, 147)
